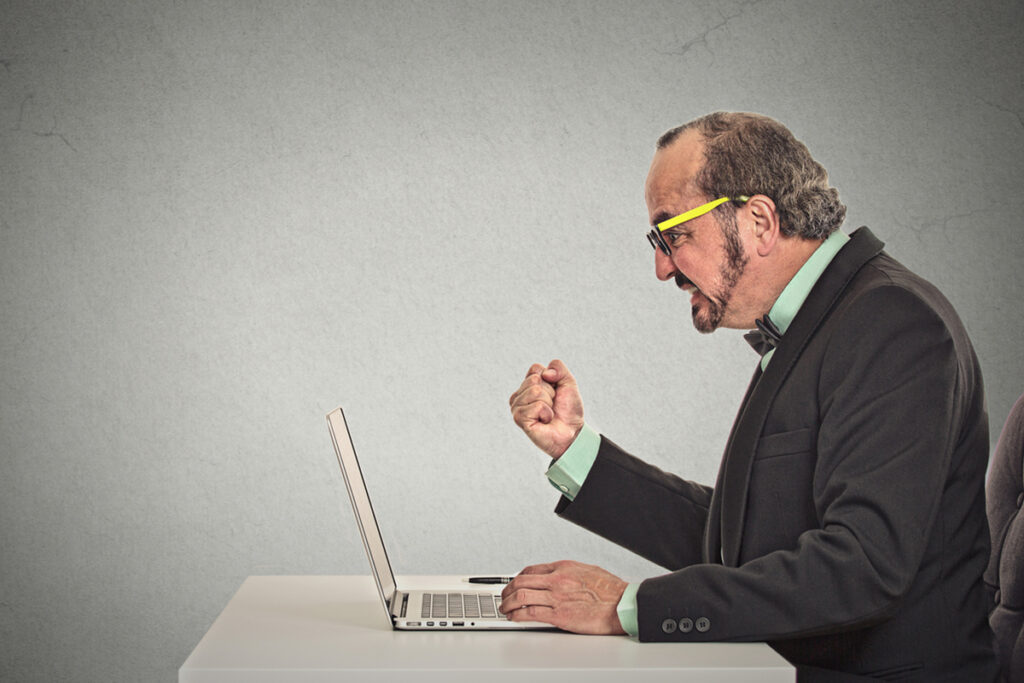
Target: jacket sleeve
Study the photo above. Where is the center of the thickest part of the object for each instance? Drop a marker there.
(642, 508)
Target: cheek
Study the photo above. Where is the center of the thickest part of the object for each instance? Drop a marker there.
(689, 265)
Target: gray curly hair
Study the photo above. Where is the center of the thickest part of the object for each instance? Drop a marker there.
(747, 154)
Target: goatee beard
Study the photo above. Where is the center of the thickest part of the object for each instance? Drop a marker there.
(730, 273)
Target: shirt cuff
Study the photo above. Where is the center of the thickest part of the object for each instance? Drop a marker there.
(570, 470)
(627, 610)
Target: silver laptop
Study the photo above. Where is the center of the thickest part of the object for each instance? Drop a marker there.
(421, 609)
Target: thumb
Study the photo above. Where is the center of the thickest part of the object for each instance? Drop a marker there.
(568, 405)
(558, 374)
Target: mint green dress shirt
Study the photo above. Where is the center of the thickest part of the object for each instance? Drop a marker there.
(569, 471)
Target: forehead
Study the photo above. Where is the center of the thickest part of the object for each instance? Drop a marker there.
(674, 170)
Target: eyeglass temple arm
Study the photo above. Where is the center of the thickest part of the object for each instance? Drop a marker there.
(694, 213)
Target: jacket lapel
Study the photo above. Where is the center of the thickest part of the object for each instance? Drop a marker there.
(734, 476)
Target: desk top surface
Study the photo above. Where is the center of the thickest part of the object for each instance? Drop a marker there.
(314, 628)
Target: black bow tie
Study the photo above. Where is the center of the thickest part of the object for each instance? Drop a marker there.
(765, 338)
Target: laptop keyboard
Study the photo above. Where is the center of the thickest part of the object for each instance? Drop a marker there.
(461, 606)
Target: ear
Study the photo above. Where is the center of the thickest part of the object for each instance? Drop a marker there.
(765, 222)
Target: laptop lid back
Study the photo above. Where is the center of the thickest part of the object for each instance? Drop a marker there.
(365, 518)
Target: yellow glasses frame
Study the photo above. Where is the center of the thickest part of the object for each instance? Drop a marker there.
(655, 237)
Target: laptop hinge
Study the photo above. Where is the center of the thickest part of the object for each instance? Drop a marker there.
(399, 604)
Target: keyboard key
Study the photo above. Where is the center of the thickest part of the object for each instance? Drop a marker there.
(460, 606)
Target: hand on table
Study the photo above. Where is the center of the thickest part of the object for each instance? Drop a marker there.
(570, 595)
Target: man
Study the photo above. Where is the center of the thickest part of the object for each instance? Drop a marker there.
(847, 526)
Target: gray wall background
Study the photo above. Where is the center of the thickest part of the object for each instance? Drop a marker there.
(218, 221)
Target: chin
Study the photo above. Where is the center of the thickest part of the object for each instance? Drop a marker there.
(702, 322)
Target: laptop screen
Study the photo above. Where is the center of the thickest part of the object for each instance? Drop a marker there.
(361, 504)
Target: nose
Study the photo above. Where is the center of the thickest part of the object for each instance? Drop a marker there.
(664, 266)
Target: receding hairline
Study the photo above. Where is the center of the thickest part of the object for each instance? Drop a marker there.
(664, 158)
(669, 137)
(704, 124)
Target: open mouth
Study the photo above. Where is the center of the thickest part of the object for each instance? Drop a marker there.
(682, 282)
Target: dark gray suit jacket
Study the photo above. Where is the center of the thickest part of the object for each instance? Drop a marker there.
(847, 527)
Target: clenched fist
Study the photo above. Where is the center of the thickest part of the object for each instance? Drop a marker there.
(547, 406)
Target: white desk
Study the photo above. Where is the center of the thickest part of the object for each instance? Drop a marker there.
(333, 628)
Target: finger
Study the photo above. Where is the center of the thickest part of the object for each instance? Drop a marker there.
(526, 416)
(532, 380)
(535, 369)
(533, 389)
(558, 373)
(545, 568)
(552, 577)
(541, 613)
(528, 582)
(568, 404)
(527, 578)
(523, 597)
(535, 394)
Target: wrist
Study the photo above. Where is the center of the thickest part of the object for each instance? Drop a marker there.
(568, 472)
(568, 443)
(626, 610)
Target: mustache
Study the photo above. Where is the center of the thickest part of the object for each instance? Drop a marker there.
(682, 280)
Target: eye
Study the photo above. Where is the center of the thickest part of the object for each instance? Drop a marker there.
(675, 237)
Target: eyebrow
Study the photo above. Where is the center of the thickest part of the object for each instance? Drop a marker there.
(661, 217)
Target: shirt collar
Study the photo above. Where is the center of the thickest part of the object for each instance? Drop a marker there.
(793, 296)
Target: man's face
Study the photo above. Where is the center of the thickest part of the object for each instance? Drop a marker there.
(708, 258)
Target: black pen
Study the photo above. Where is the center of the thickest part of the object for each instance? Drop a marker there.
(490, 579)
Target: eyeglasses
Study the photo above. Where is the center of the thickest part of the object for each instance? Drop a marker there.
(657, 240)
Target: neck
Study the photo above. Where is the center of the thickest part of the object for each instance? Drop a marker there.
(773, 272)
